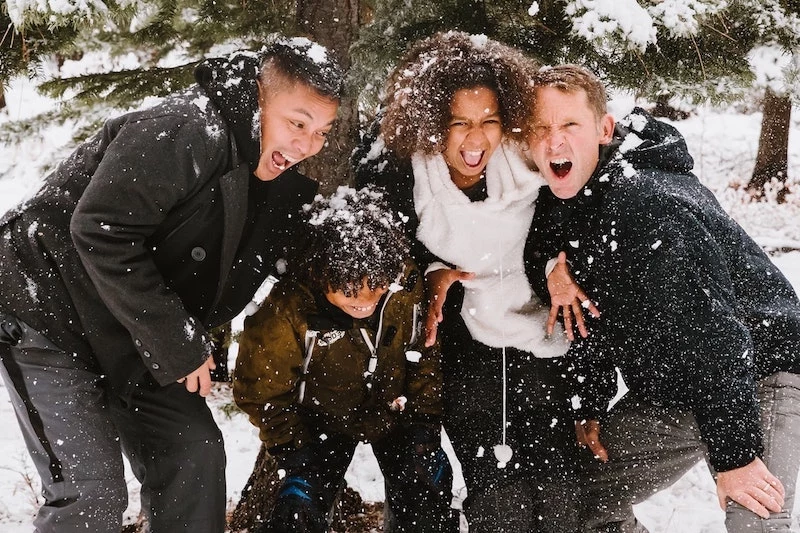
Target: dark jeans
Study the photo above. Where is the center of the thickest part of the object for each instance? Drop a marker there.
(419, 502)
(537, 490)
(76, 432)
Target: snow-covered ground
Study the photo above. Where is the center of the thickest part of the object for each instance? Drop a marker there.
(724, 143)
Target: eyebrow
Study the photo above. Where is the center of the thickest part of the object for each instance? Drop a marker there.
(304, 112)
(455, 117)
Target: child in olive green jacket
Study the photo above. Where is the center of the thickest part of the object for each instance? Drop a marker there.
(336, 356)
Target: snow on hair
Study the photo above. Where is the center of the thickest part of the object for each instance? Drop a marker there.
(301, 60)
(350, 236)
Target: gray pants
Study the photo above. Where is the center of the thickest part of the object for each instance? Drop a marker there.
(76, 432)
(649, 448)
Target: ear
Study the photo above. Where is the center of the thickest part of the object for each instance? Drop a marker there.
(606, 128)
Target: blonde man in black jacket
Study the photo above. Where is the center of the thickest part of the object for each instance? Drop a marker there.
(703, 328)
(159, 227)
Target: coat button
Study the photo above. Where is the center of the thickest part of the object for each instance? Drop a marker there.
(137, 342)
(198, 253)
(155, 366)
(146, 353)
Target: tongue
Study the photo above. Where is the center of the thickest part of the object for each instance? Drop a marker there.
(561, 169)
(278, 159)
(472, 159)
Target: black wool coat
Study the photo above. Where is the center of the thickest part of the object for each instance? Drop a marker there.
(138, 241)
(693, 311)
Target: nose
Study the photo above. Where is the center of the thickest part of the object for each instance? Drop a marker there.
(304, 144)
(554, 141)
(475, 137)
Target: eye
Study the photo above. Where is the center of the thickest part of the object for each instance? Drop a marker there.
(297, 124)
(324, 133)
(492, 121)
(458, 123)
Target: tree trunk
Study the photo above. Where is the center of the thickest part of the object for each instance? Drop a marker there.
(258, 495)
(773, 146)
(2, 97)
(334, 24)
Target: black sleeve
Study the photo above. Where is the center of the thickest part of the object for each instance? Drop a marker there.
(670, 314)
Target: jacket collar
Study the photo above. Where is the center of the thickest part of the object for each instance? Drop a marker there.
(230, 82)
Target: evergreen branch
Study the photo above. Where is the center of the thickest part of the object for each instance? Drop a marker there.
(122, 87)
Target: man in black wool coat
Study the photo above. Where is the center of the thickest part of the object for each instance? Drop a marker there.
(703, 328)
(160, 227)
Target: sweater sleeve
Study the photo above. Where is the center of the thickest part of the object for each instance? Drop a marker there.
(268, 368)
(670, 296)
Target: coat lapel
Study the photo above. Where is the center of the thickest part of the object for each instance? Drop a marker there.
(234, 186)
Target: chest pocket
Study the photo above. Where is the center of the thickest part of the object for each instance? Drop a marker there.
(187, 249)
(332, 371)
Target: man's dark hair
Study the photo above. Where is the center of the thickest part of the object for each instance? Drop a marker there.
(349, 237)
(299, 60)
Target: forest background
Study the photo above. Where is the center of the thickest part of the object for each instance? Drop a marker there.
(78, 62)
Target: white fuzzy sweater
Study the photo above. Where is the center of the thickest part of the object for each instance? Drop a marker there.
(488, 238)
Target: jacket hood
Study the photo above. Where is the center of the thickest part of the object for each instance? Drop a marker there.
(647, 143)
(230, 82)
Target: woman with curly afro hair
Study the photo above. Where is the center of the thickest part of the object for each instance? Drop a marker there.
(447, 146)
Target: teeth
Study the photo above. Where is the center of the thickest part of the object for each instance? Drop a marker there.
(560, 161)
(288, 161)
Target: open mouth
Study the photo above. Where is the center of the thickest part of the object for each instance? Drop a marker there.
(281, 161)
(561, 167)
(472, 158)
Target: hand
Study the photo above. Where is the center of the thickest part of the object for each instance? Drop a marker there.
(588, 433)
(200, 380)
(569, 298)
(752, 486)
(438, 283)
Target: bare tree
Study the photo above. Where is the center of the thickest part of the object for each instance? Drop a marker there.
(334, 24)
(773, 146)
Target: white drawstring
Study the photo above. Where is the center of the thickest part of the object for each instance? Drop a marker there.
(503, 451)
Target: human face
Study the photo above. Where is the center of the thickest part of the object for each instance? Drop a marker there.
(361, 305)
(473, 134)
(566, 139)
(295, 120)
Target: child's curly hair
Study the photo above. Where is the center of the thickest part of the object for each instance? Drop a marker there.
(420, 90)
(350, 237)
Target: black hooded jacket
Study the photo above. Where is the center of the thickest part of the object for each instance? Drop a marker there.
(693, 311)
(153, 230)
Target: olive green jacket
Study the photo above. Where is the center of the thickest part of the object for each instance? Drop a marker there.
(337, 393)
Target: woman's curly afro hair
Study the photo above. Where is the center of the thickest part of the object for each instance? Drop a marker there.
(351, 236)
(420, 90)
